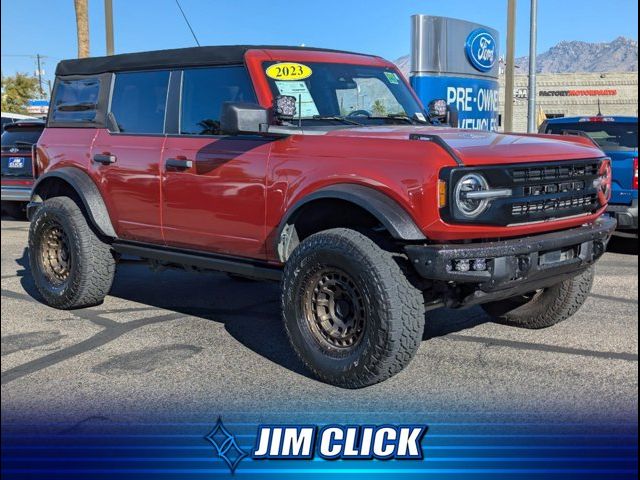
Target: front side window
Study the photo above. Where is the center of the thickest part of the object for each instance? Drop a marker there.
(76, 100)
(365, 94)
(622, 136)
(139, 101)
(204, 90)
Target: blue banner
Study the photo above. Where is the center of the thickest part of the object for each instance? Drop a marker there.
(475, 99)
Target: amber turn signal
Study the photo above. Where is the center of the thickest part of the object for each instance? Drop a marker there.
(442, 194)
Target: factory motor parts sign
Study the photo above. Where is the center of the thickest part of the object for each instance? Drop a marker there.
(578, 93)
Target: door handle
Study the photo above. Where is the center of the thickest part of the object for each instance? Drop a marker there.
(104, 158)
(180, 163)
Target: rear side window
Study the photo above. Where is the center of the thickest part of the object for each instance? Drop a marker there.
(139, 101)
(76, 101)
(203, 92)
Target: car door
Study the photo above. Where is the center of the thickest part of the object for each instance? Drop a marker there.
(126, 157)
(213, 186)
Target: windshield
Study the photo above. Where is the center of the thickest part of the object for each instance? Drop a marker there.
(608, 135)
(331, 92)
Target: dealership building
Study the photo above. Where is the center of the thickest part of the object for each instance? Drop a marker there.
(573, 94)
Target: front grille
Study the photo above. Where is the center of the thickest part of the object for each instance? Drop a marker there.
(542, 191)
(546, 192)
(554, 172)
(553, 205)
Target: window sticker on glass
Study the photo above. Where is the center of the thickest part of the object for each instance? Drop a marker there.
(392, 77)
(299, 90)
(288, 71)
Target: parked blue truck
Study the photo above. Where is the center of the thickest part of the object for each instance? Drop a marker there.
(617, 136)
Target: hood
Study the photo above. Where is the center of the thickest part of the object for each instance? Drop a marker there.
(476, 147)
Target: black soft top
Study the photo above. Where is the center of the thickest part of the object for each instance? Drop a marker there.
(174, 58)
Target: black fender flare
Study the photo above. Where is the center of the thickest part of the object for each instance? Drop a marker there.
(389, 213)
(87, 191)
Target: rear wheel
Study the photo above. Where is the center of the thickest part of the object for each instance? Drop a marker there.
(350, 312)
(71, 266)
(546, 307)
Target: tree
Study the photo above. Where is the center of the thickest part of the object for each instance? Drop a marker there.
(82, 27)
(16, 92)
(378, 109)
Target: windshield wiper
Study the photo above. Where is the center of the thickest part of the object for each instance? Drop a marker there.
(335, 118)
(394, 116)
(399, 116)
(22, 143)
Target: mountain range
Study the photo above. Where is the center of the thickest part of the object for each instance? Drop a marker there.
(619, 55)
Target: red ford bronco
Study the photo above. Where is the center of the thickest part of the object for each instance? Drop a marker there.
(319, 169)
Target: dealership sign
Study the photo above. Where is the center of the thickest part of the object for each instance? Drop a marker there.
(481, 49)
(578, 93)
(457, 61)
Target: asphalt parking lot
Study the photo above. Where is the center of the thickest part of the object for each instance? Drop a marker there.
(173, 342)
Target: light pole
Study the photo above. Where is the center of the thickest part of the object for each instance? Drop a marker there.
(38, 57)
(509, 68)
(108, 25)
(531, 110)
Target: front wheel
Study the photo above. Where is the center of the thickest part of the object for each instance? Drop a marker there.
(350, 311)
(71, 266)
(546, 307)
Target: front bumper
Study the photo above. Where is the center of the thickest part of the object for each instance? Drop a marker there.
(626, 215)
(15, 193)
(515, 266)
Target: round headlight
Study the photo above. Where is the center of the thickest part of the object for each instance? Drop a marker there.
(467, 205)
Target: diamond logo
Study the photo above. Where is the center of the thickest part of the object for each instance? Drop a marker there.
(225, 445)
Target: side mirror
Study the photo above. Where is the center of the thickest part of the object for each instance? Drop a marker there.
(444, 113)
(237, 117)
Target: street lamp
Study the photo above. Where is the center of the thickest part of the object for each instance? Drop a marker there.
(532, 126)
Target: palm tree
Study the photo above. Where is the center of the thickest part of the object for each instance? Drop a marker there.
(82, 27)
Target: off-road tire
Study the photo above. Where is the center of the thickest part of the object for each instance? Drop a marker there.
(90, 264)
(544, 308)
(394, 319)
(15, 210)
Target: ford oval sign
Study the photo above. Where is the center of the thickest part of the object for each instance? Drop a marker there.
(481, 50)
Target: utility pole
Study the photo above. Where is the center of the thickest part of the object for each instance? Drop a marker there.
(39, 75)
(531, 110)
(108, 25)
(510, 67)
(82, 27)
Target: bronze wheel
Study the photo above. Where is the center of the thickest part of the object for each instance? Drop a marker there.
(335, 309)
(55, 255)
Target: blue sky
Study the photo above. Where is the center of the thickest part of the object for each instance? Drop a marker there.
(373, 26)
